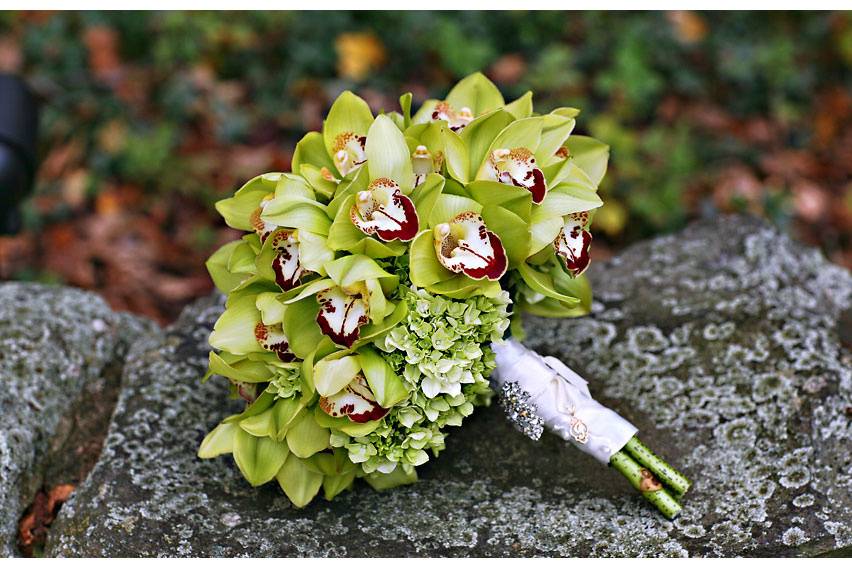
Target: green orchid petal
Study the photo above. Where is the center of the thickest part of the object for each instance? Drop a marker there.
(311, 150)
(297, 212)
(234, 330)
(314, 251)
(448, 206)
(349, 113)
(397, 478)
(512, 230)
(264, 401)
(243, 371)
(479, 134)
(522, 107)
(259, 459)
(308, 290)
(477, 93)
(237, 210)
(354, 268)
(565, 199)
(274, 421)
(347, 188)
(542, 234)
(333, 373)
(305, 437)
(556, 130)
(542, 283)
(426, 195)
(524, 133)
(217, 265)
(301, 327)
(333, 485)
(590, 155)
(405, 105)
(388, 155)
(578, 287)
(219, 441)
(318, 182)
(461, 287)
(489, 193)
(424, 267)
(455, 155)
(387, 387)
(242, 260)
(299, 481)
(271, 309)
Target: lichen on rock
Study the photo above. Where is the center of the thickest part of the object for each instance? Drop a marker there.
(720, 343)
(58, 346)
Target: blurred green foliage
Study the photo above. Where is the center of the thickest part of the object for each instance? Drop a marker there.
(673, 93)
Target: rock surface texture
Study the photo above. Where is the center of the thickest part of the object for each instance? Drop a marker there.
(722, 343)
(57, 346)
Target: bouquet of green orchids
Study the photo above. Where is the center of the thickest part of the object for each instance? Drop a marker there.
(368, 301)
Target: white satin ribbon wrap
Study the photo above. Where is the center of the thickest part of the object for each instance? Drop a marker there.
(562, 399)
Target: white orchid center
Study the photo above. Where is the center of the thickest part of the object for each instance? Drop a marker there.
(349, 152)
(574, 243)
(384, 211)
(465, 245)
(517, 166)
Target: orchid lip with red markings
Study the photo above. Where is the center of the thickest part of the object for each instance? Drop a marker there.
(262, 227)
(341, 315)
(384, 211)
(272, 338)
(456, 119)
(355, 402)
(574, 242)
(286, 263)
(466, 245)
(517, 167)
(349, 152)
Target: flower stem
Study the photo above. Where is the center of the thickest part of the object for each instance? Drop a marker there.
(640, 478)
(669, 476)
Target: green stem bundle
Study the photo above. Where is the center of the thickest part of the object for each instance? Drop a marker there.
(652, 476)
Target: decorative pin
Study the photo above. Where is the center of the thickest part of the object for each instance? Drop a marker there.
(521, 413)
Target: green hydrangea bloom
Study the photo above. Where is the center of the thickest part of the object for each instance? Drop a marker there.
(441, 351)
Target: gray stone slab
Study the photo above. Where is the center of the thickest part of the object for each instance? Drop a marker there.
(722, 343)
(59, 349)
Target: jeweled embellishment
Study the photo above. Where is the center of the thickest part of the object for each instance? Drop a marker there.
(466, 245)
(456, 120)
(349, 152)
(272, 338)
(384, 211)
(355, 402)
(517, 166)
(285, 264)
(342, 313)
(573, 242)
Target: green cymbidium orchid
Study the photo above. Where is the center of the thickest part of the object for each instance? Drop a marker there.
(353, 295)
(326, 159)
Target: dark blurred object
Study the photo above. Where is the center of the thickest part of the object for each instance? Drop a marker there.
(18, 126)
